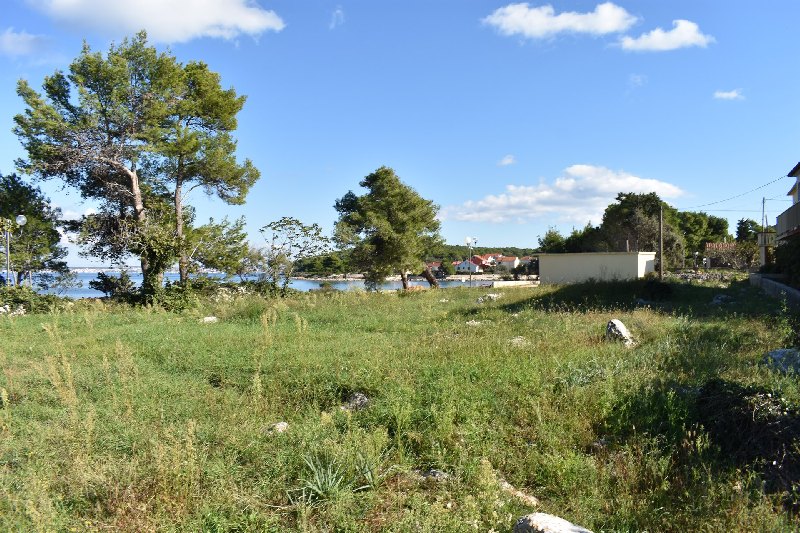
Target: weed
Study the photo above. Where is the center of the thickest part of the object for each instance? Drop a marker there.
(324, 482)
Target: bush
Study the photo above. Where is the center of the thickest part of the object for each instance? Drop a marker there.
(176, 296)
(31, 301)
(119, 287)
(326, 288)
(787, 260)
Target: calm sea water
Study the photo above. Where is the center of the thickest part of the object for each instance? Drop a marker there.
(297, 284)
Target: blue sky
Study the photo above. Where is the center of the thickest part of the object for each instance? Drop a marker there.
(513, 117)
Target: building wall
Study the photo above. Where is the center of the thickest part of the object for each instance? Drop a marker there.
(467, 266)
(575, 268)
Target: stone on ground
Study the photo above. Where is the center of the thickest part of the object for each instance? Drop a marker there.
(278, 427)
(356, 402)
(617, 331)
(546, 523)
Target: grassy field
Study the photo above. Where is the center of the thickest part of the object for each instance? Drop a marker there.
(145, 420)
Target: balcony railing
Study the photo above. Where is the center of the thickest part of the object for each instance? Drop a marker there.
(788, 222)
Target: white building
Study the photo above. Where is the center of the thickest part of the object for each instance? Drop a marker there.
(473, 265)
(600, 266)
(509, 262)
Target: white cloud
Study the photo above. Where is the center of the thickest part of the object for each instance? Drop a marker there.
(15, 44)
(735, 94)
(542, 22)
(337, 18)
(166, 20)
(683, 34)
(507, 160)
(579, 196)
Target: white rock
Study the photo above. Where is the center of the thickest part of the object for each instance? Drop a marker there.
(491, 297)
(356, 402)
(433, 474)
(6, 310)
(474, 323)
(527, 499)
(546, 523)
(518, 341)
(209, 319)
(278, 427)
(616, 331)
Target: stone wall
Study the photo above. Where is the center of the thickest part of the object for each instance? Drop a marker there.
(776, 289)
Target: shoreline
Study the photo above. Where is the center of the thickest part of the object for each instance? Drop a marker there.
(334, 277)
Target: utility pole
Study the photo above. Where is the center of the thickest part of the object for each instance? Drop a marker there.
(661, 242)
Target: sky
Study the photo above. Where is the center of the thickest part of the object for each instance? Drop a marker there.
(512, 117)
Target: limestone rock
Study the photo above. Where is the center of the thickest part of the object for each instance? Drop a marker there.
(784, 360)
(617, 331)
(433, 474)
(278, 427)
(518, 341)
(6, 310)
(524, 497)
(491, 297)
(356, 402)
(508, 488)
(546, 523)
(209, 320)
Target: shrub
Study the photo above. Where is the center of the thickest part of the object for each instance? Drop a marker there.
(176, 296)
(31, 301)
(787, 259)
(119, 287)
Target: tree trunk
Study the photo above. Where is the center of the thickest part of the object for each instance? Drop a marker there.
(151, 280)
(183, 260)
(430, 278)
(404, 279)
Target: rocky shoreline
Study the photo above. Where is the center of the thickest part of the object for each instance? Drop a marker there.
(360, 277)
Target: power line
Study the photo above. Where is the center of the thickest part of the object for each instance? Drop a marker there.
(738, 195)
(733, 210)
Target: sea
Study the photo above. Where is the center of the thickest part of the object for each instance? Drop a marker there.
(84, 277)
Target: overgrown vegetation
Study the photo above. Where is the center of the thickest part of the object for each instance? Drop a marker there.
(113, 418)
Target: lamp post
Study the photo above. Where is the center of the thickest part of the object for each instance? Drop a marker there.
(470, 242)
(21, 220)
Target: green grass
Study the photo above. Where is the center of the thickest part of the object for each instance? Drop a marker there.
(144, 420)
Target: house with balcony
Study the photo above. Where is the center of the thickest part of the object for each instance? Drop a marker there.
(788, 226)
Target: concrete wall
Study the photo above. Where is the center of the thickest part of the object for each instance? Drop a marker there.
(575, 268)
(521, 283)
(776, 289)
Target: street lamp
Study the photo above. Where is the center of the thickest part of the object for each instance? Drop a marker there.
(21, 220)
(470, 242)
